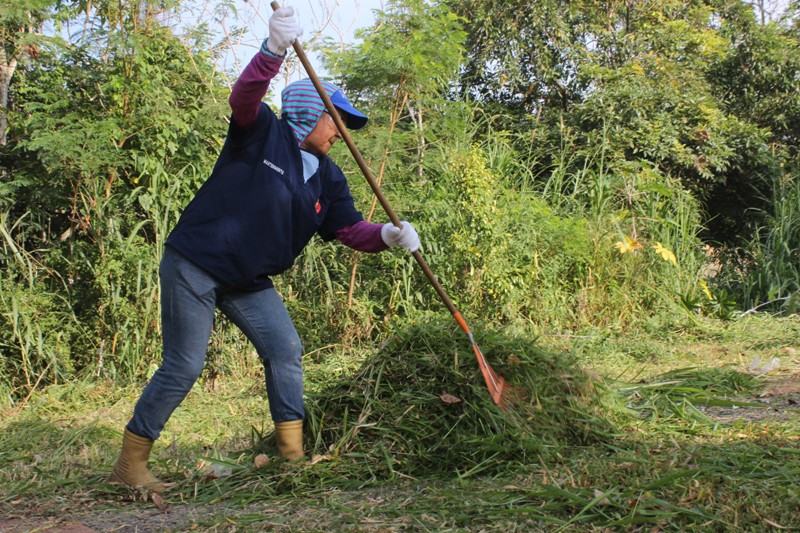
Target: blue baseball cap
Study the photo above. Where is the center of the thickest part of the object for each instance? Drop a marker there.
(355, 118)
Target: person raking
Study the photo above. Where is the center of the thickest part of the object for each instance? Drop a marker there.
(272, 189)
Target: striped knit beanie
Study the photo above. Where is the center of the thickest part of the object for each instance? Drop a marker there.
(302, 107)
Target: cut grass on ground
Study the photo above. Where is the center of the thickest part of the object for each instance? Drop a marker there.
(640, 449)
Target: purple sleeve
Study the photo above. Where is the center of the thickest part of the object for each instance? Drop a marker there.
(251, 87)
(362, 236)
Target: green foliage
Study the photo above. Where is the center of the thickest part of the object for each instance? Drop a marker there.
(414, 45)
(658, 114)
(518, 52)
(759, 77)
(698, 91)
(561, 161)
(108, 138)
(478, 251)
(517, 255)
(37, 336)
(20, 29)
(37, 327)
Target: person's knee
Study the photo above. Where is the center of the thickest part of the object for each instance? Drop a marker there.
(183, 374)
(296, 348)
(289, 346)
(284, 355)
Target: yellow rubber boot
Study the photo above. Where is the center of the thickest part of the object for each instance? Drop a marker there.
(289, 439)
(131, 468)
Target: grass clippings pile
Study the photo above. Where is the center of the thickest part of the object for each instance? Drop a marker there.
(420, 407)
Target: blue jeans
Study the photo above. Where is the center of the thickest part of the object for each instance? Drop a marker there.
(188, 298)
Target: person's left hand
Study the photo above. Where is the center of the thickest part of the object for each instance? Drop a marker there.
(404, 237)
(283, 30)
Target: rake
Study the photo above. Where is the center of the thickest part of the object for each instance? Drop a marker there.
(497, 386)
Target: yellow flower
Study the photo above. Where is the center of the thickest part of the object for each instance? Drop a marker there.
(665, 253)
(627, 244)
(704, 286)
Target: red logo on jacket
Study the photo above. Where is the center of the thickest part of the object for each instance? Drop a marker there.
(318, 207)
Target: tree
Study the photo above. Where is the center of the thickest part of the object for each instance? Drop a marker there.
(111, 136)
(757, 81)
(696, 89)
(20, 25)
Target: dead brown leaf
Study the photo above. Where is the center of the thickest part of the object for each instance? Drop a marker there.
(159, 502)
(783, 388)
(261, 460)
(449, 399)
(773, 524)
(599, 494)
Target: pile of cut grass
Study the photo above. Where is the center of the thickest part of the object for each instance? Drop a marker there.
(420, 407)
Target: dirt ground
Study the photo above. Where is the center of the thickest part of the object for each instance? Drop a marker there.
(139, 520)
(780, 399)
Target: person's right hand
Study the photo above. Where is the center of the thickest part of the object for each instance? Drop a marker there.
(404, 237)
(283, 30)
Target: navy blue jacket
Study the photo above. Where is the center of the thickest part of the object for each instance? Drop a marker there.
(254, 215)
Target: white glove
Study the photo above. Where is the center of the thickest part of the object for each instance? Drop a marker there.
(283, 30)
(405, 237)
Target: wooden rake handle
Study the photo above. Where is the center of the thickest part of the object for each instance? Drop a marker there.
(362, 164)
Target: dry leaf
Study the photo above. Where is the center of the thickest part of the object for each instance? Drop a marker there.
(598, 494)
(784, 388)
(316, 458)
(159, 502)
(449, 399)
(261, 460)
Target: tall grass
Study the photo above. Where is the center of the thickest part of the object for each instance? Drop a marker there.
(604, 241)
(36, 320)
(772, 279)
(88, 303)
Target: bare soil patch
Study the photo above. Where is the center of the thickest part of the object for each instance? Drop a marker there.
(779, 400)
